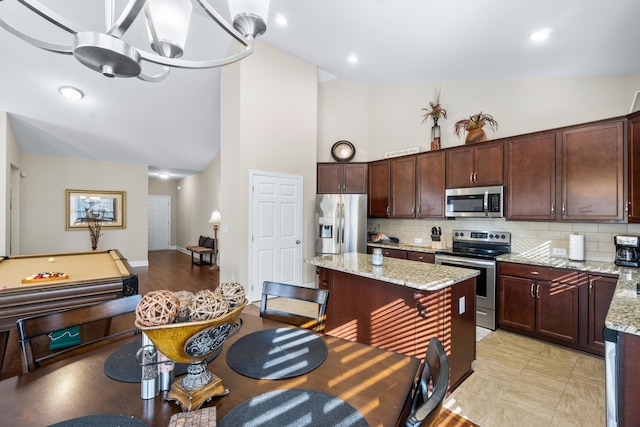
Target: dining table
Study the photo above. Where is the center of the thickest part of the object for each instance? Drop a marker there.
(375, 382)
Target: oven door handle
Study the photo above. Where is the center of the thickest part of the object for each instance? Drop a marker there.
(464, 261)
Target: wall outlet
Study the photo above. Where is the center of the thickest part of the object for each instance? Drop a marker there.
(558, 252)
(462, 307)
(417, 240)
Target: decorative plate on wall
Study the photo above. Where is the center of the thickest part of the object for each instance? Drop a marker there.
(343, 151)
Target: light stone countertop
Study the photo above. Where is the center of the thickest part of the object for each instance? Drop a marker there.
(413, 274)
(624, 311)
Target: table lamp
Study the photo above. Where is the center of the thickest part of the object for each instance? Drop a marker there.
(215, 220)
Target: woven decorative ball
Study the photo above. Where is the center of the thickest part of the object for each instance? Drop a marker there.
(233, 292)
(157, 308)
(207, 305)
(185, 298)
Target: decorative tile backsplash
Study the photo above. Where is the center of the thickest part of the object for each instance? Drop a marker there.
(525, 236)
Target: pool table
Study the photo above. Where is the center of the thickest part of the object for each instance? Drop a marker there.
(93, 277)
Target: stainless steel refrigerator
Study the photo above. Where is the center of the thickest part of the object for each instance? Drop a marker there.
(341, 223)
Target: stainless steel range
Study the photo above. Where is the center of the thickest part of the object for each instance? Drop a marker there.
(478, 250)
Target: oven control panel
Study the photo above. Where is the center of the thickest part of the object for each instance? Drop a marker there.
(482, 236)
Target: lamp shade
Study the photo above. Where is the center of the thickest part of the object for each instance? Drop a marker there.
(169, 19)
(215, 218)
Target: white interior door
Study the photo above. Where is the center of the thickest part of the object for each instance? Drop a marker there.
(159, 222)
(276, 231)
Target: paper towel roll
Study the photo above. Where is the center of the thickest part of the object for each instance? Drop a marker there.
(576, 247)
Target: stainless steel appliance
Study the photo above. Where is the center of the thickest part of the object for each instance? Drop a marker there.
(478, 250)
(341, 223)
(627, 251)
(475, 202)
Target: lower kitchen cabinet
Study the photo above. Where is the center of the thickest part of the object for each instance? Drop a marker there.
(401, 318)
(391, 253)
(421, 256)
(560, 305)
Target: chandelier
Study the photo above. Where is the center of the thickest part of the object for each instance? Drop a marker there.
(167, 23)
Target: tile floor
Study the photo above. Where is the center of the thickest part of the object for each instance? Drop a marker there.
(520, 381)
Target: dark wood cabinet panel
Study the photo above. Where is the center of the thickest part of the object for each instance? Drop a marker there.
(600, 292)
(391, 253)
(430, 185)
(379, 189)
(634, 168)
(476, 165)
(421, 257)
(557, 311)
(593, 172)
(628, 376)
(531, 178)
(403, 187)
(517, 308)
(347, 178)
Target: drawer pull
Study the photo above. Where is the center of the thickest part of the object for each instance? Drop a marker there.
(535, 272)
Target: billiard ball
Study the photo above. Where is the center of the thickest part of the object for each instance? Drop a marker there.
(52, 259)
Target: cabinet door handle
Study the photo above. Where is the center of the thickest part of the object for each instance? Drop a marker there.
(413, 210)
(344, 186)
(388, 211)
(564, 209)
(535, 273)
(553, 208)
(338, 186)
(471, 178)
(532, 285)
(538, 291)
(590, 286)
(419, 209)
(475, 177)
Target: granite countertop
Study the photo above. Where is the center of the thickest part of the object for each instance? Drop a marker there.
(405, 247)
(624, 311)
(414, 274)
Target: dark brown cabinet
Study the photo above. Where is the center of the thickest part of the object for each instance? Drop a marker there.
(593, 170)
(403, 187)
(634, 168)
(475, 165)
(421, 257)
(531, 178)
(600, 293)
(346, 178)
(379, 199)
(391, 253)
(430, 184)
(541, 301)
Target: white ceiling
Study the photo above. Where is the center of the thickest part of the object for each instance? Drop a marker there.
(174, 125)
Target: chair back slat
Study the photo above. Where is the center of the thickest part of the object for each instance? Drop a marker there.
(283, 290)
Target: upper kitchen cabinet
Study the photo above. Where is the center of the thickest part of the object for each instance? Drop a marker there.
(593, 168)
(531, 178)
(346, 178)
(634, 168)
(474, 165)
(403, 187)
(379, 199)
(430, 184)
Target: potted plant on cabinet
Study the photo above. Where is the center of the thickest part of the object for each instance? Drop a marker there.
(435, 111)
(473, 125)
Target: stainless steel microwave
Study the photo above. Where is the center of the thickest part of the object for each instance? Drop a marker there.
(475, 202)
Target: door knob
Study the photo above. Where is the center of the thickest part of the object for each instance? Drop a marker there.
(297, 242)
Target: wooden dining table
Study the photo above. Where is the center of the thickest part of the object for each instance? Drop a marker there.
(375, 382)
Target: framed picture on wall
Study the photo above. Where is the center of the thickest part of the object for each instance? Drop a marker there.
(83, 206)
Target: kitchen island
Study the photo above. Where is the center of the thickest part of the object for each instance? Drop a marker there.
(400, 305)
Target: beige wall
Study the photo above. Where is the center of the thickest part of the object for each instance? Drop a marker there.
(164, 187)
(394, 118)
(43, 205)
(269, 124)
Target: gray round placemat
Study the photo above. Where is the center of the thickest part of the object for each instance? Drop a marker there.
(274, 354)
(294, 407)
(122, 365)
(102, 420)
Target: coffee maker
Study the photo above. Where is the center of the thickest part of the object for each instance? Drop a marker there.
(627, 251)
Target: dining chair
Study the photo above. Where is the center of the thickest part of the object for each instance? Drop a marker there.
(30, 329)
(282, 290)
(431, 388)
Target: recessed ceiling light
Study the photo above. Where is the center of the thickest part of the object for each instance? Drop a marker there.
(353, 58)
(281, 19)
(540, 35)
(164, 175)
(71, 93)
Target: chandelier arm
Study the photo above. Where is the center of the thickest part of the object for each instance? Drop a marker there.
(213, 14)
(126, 18)
(190, 64)
(155, 78)
(52, 47)
(51, 16)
